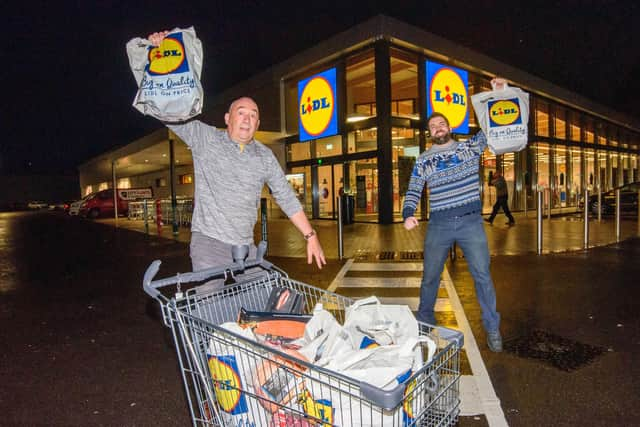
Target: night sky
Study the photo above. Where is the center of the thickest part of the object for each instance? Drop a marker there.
(68, 89)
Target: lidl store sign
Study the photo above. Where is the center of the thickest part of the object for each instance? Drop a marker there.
(317, 109)
(447, 94)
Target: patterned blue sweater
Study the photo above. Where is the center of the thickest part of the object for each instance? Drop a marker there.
(452, 176)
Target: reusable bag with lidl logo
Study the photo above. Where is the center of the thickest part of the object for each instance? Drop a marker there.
(168, 75)
(503, 115)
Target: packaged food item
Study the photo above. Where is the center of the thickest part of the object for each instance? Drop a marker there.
(168, 75)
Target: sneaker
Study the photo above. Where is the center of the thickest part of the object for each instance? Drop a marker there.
(494, 341)
(489, 221)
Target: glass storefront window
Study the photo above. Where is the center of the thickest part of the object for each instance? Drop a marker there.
(560, 177)
(605, 181)
(361, 86)
(331, 146)
(542, 118)
(364, 188)
(625, 162)
(560, 123)
(602, 140)
(304, 189)
(404, 84)
(615, 169)
(406, 148)
(509, 174)
(362, 140)
(488, 168)
(542, 165)
(576, 173)
(124, 183)
(574, 126)
(635, 175)
(588, 131)
(590, 171)
(298, 151)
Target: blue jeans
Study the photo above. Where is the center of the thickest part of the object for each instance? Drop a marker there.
(468, 232)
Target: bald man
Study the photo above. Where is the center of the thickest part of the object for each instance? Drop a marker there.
(231, 168)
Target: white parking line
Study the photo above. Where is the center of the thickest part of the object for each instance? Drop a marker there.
(486, 393)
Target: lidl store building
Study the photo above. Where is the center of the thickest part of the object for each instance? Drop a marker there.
(348, 116)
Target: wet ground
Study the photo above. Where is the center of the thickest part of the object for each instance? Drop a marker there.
(81, 343)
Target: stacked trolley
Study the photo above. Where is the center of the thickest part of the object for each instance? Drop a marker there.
(219, 367)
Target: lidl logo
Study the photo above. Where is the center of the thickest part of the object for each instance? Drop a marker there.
(447, 94)
(504, 112)
(368, 343)
(169, 57)
(408, 415)
(224, 371)
(321, 409)
(317, 110)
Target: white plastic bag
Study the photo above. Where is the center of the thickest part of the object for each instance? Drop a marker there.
(168, 76)
(368, 320)
(503, 115)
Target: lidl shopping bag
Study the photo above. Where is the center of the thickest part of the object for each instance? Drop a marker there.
(332, 403)
(503, 115)
(168, 76)
(231, 363)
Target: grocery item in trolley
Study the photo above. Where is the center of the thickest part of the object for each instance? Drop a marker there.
(276, 327)
(168, 75)
(503, 115)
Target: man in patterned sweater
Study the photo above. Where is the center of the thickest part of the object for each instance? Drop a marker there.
(450, 169)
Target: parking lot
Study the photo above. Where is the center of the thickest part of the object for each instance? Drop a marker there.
(82, 344)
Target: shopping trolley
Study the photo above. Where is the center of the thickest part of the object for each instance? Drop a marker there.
(230, 380)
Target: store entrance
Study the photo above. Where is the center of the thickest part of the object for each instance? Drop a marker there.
(330, 185)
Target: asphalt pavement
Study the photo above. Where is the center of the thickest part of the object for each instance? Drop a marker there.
(82, 344)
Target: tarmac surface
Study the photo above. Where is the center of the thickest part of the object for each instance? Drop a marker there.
(82, 344)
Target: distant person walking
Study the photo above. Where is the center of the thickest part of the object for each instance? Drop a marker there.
(502, 200)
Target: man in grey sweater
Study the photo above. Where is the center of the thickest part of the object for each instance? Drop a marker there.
(230, 169)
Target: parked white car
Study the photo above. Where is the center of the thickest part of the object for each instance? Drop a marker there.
(35, 204)
(74, 208)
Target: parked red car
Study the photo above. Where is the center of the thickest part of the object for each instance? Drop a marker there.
(100, 204)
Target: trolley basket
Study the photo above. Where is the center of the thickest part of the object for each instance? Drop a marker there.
(230, 380)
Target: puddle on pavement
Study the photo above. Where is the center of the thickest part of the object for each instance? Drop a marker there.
(559, 352)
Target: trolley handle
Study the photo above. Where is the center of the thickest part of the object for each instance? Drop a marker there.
(239, 265)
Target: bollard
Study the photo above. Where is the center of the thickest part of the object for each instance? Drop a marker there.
(159, 215)
(585, 244)
(340, 241)
(145, 211)
(263, 220)
(539, 206)
(617, 215)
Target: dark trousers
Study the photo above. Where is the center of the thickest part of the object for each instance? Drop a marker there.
(503, 203)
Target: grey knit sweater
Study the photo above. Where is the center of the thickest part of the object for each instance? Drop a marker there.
(229, 182)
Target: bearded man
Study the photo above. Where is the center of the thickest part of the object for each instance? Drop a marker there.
(450, 169)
